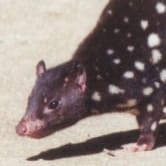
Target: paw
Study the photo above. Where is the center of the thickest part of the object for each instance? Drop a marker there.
(134, 147)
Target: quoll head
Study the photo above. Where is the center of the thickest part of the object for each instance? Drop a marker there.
(57, 100)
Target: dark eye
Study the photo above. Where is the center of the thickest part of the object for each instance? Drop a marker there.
(53, 104)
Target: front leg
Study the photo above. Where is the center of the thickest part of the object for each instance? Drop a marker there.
(148, 121)
(146, 140)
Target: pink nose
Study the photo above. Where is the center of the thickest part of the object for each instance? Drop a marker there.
(21, 129)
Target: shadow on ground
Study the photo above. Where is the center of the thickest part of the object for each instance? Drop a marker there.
(96, 145)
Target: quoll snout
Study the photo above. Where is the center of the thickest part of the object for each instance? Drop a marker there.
(31, 128)
(21, 129)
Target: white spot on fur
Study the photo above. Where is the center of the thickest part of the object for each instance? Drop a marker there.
(164, 110)
(99, 77)
(110, 12)
(139, 65)
(96, 96)
(66, 80)
(150, 108)
(128, 74)
(110, 51)
(130, 48)
(144, 24)
(157, 84)
(113, 89)
(116, 30)
(160, 7)
(163, 75)
(147, 91)
(116, 61)
(129, 35)
(156, 56)
(126, 19)
(131, 4)
(153, 40)
(97, 68)
(154, 126)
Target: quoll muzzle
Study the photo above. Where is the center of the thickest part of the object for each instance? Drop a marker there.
(21, 129)
(30, 128)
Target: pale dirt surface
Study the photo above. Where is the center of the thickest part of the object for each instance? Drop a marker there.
(51, 30)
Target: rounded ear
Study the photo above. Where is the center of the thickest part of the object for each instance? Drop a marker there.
(80, 75)
(81, 80)
(40, 68)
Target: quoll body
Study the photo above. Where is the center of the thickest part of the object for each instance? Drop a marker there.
(120, 65)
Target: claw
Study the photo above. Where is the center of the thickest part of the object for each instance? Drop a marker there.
(134, 147)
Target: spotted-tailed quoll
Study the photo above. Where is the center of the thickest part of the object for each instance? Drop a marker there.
(121, 65)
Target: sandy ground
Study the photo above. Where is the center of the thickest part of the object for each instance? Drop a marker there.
(51, 30)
